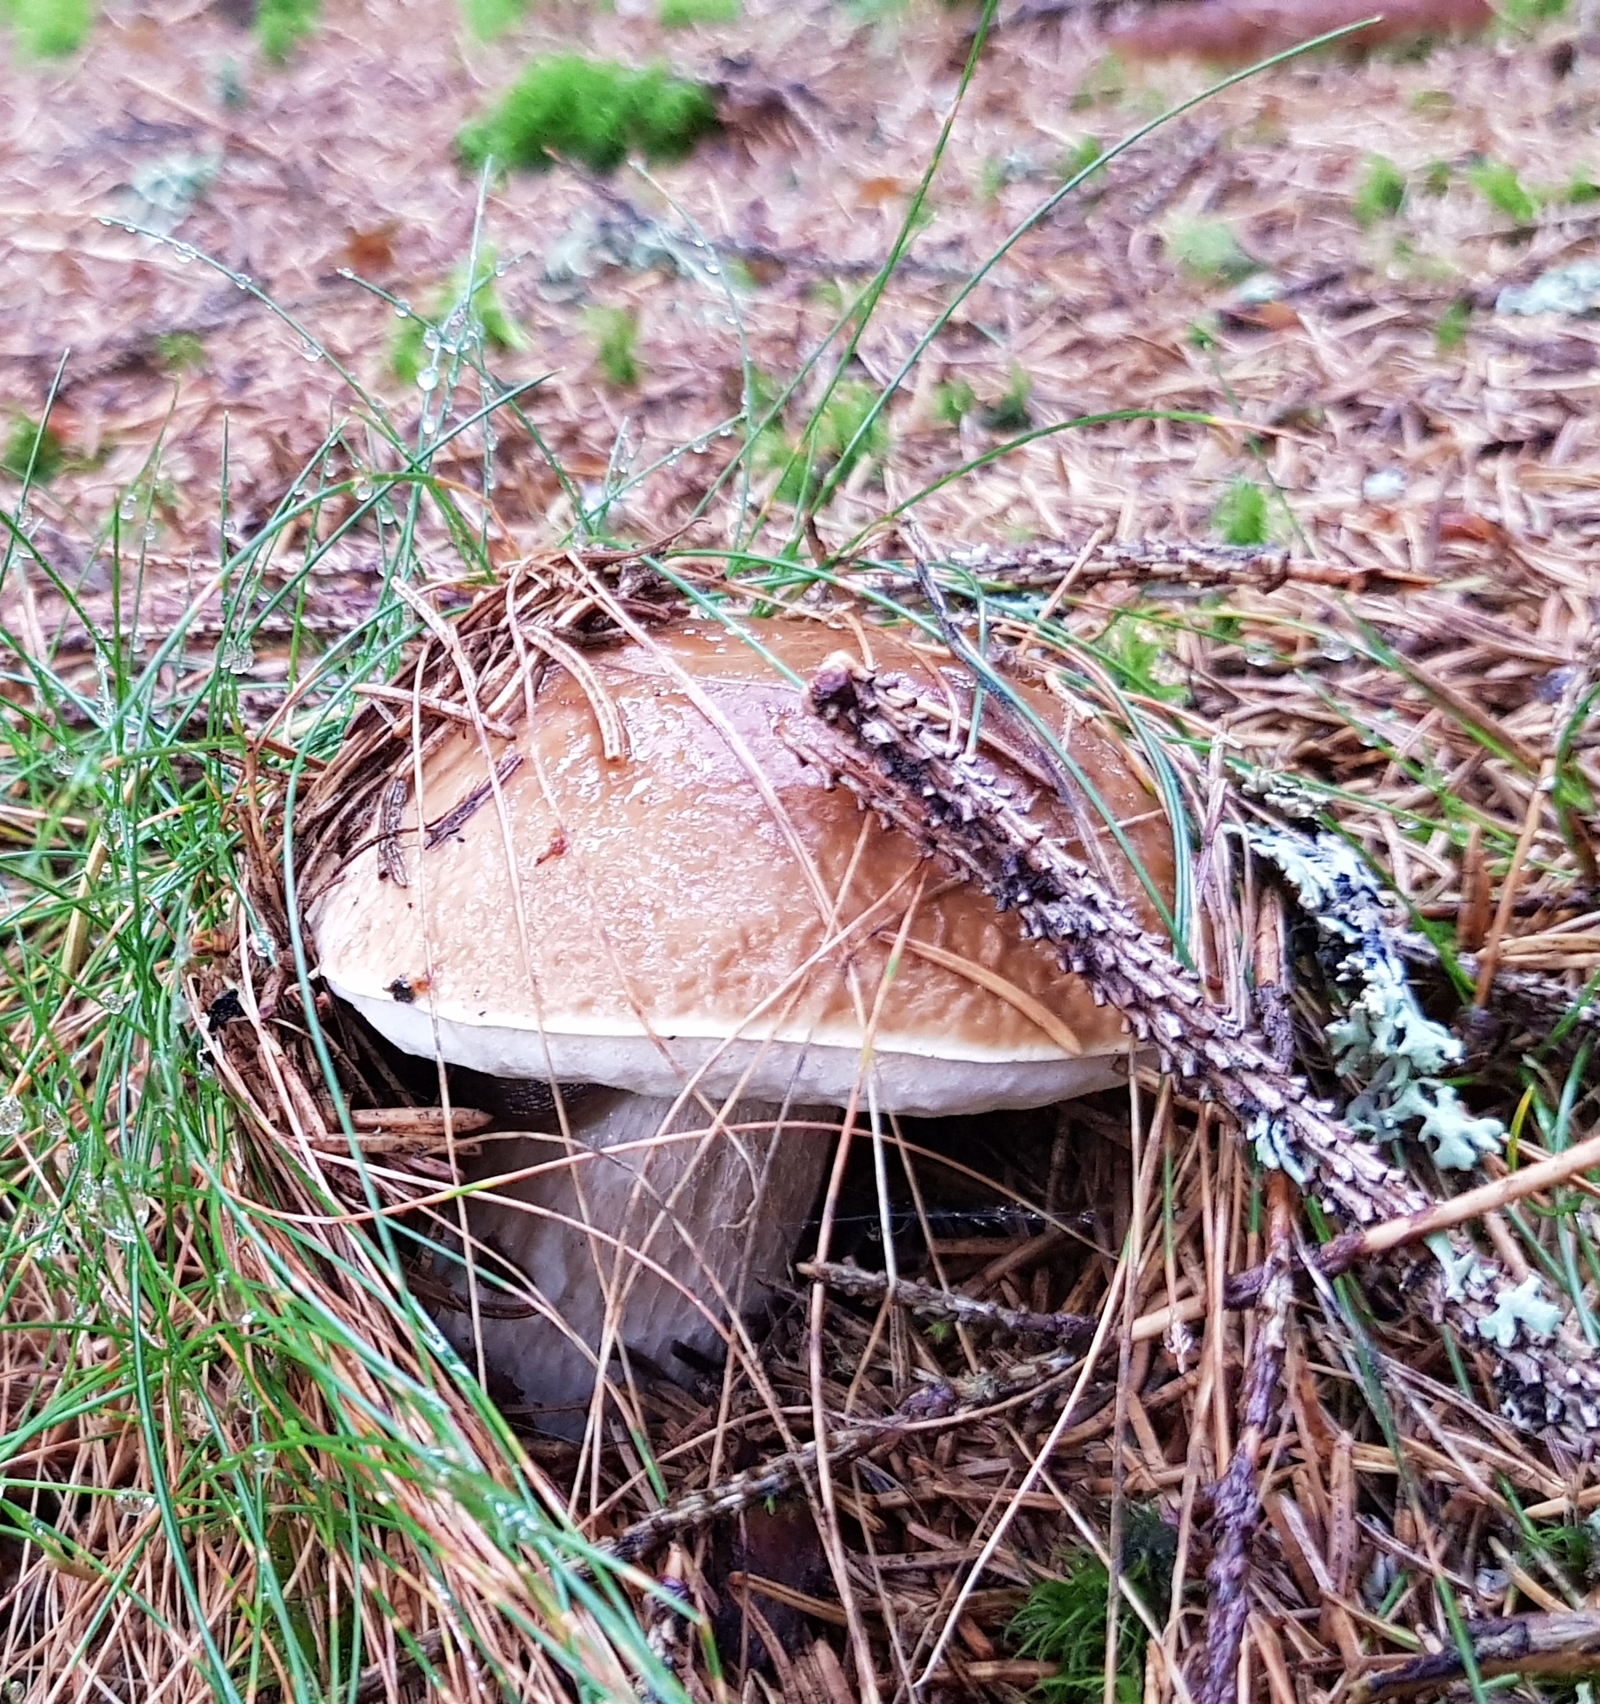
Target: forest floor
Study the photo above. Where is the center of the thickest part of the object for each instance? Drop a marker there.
(1294, 317)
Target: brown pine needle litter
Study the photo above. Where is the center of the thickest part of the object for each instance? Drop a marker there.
(1271, 1376)
(1117, 1308)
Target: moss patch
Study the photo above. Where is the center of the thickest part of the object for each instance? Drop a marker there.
(594, 111)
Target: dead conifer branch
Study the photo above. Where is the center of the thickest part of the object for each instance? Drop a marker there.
(1237, 1499)
(943, 1402)
(902, 767)
(878, 740)
(1522, 1644)
(930, 1303)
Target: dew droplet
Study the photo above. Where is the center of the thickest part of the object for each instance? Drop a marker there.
(309, 351)
(12, 1117)
(427, 378)
(402, 310)
(237, 657)
(362, 490)
(128, 507)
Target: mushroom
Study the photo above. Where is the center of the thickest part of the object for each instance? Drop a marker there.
(700, 928)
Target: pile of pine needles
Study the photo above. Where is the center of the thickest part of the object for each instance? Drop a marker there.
(1196, 1386)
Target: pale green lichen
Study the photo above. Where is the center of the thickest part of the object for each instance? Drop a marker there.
(1383, 1039)
(1523, 1306)
(1274, 1149)
(1463, 1273)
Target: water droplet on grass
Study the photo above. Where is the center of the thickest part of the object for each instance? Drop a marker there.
(362, 490)
(12, 1117)
(428, 378)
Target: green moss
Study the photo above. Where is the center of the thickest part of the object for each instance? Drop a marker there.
(953, 401)
(594, 111)
(1451, 330)
(1381, 194)
(281, 23)
(1063, 1620)
(1500, 186)
(1079, 157)
(181, 351)
(1581, 188)
(47, 29)
(615, 332)
(32, 451)
(1241, 513)
(490, 18)
(1208, 250)
(1011, 412)
(681, 14)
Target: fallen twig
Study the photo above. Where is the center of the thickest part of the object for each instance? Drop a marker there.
(1522, 1644)
(1238, 1494)
(900, 761)
(932, 1303)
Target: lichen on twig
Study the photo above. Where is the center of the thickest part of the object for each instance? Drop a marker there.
(898, 757)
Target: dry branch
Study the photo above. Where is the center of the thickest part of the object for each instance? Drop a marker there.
(899, 760)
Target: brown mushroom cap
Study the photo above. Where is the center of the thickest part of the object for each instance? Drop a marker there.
(682, 907)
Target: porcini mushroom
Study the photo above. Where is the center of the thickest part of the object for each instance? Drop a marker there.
(704, 928)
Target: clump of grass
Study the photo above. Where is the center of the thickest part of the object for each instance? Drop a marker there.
(1011, 413)
(1451, 330)
(1240, 516)
(32, 451)
(1208, 250)
(1381, 193)
(1063, 1620)
(282, 23)
(1500, 186)
(483, 319)
(825, 445)
(593, 111)
(47, 29)
(683, 14)
(953, 401)
(615, 332)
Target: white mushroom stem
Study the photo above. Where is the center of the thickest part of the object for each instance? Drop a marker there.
(652, 1227)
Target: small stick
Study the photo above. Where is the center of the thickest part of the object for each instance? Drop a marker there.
(901, 765)
(880, 742)
(1238, 1496)
(933, 1303)
(1521, 1644)
(946, 1401)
